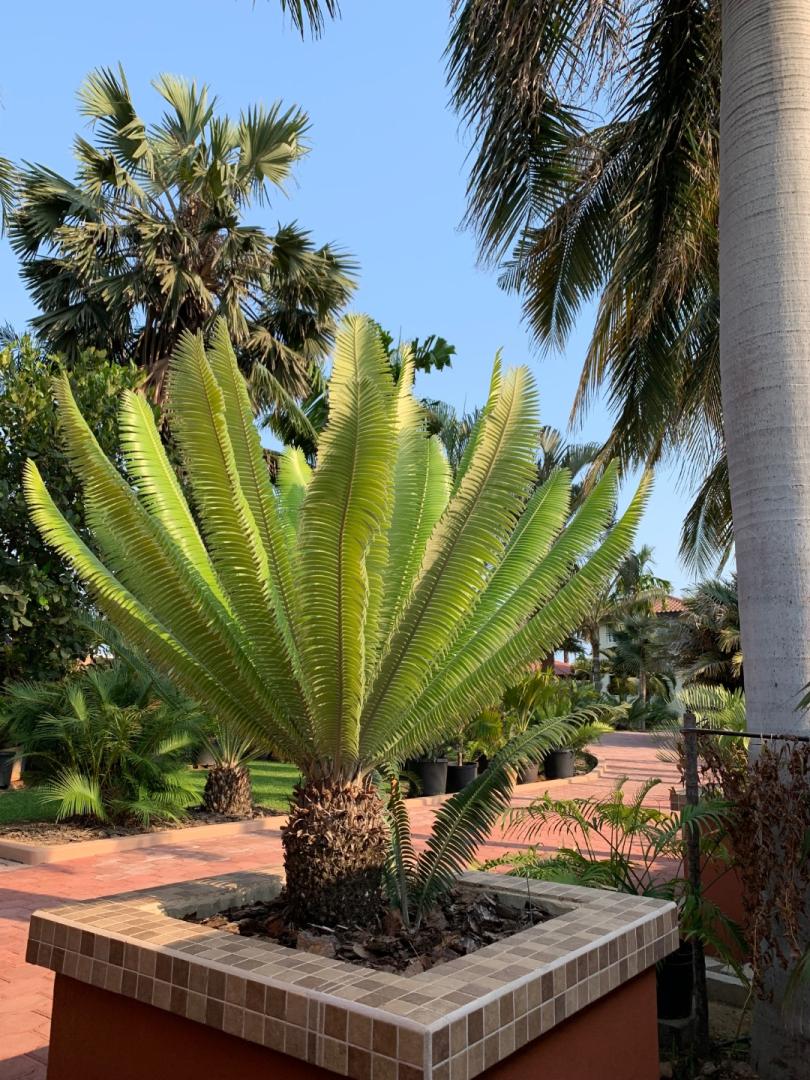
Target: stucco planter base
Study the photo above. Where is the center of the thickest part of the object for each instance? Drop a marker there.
(141, 993)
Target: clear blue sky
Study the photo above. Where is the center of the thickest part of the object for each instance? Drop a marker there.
(385, 177)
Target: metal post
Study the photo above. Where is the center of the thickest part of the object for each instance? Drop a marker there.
(691, 778)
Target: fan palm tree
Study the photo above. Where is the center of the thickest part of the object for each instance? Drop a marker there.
(639, 650)
(148, 240)
(352, 618)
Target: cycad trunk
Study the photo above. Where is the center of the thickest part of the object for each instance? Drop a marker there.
(765, 367)
(228, 791)
(335, 847)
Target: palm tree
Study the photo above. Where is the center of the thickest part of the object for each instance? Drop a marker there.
(621, 209)
(639, 650)
(631, 591)
(148, 241)
(705, 640)
(7, 188)
(359, 614)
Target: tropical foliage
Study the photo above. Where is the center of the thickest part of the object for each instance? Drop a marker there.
(353, 615)
(639, 650)
(631, 591)
(415, 880)
(149, 241)
(595, 176)
(41, 602)
(102, 744)
(706, 640)
(619, 842)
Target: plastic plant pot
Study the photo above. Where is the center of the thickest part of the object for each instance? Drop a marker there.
(458, 776)
(432, 776)
(559, 765)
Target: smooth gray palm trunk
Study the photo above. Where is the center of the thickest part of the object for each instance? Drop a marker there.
(765, 365)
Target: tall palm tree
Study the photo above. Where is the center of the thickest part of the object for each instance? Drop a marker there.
(148, 240)
(620, 209)
(764, 365)
(359, 615)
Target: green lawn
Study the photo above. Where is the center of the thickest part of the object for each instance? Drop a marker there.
(272, 785)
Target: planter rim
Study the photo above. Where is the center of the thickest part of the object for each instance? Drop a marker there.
(319, 1009)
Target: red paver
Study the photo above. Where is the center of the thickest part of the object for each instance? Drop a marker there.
(25, 992)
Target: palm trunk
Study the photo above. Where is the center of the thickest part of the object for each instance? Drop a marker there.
(596, 662)
(335, 847)
(765, 369)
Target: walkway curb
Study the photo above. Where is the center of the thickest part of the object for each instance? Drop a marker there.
(39, 854)
(42, 854)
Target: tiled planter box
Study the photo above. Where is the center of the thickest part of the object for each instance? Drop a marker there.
(574, 996)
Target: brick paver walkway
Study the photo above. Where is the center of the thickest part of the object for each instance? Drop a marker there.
(25, 992)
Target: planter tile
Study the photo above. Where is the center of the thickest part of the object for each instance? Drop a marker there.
(449, 1023)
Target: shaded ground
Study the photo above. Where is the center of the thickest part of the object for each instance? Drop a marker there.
(25, 992)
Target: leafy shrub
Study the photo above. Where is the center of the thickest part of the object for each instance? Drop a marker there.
(41, 601)
(102, 745)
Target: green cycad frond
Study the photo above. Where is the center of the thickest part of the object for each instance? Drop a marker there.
(353, 614)
(345, 506)
(468, 540)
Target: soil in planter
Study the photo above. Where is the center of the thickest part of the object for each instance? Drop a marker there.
(461, 923)
(76, 830)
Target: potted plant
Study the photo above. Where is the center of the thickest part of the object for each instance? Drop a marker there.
(430, 770)
(348, 619)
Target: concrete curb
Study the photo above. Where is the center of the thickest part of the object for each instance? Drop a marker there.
(41, 854)
(38, 854)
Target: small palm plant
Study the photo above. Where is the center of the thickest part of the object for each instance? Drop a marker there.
(619, 842)
(104, 746)
(350, 617)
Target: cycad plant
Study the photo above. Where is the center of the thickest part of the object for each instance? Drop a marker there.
(350, 617)
(228, 788)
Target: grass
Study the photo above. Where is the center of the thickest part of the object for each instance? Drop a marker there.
(272, 781)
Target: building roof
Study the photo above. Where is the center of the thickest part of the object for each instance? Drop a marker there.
(668, 605)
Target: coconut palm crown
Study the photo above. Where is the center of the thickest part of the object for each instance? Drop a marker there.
(352, 615)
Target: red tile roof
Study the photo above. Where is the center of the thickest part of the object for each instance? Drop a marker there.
(668, 605)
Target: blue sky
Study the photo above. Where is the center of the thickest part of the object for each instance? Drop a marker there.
(385, 178)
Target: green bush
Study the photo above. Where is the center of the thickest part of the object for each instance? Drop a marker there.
(101, 744)
(41, 601)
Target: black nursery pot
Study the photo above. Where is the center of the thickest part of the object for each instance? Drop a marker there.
(458, 776)
(432, 776)
(675, 984)
(559, 764)
(528, 773)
